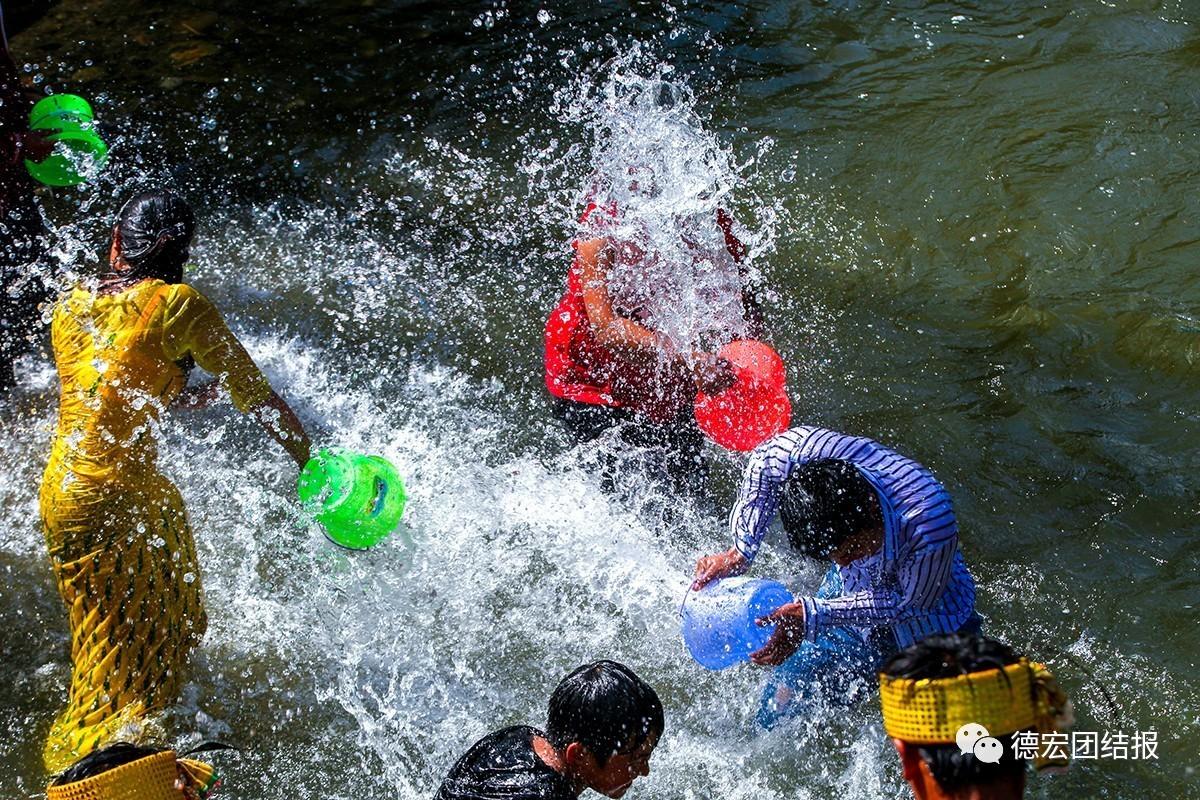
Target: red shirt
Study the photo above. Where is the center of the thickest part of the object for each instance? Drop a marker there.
(577, 367)
(580, 369)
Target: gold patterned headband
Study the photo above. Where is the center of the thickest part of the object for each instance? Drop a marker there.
(162, 776)
(1021, 696)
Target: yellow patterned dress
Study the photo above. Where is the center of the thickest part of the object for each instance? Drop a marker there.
(119, 540)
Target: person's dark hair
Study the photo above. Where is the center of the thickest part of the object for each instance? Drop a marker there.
(102, 760)
(946, 657)
(823, 503)
(605, 707)
(156, 231)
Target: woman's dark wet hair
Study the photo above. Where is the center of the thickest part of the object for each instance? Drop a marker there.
(102, 760)
(155, 230)
(605, 707)
(946, 657)
(823, 503)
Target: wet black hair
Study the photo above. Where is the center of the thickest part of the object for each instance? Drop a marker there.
(156, 230)
(605, 707)
(946, 657)
(100, 761)
(823, 503)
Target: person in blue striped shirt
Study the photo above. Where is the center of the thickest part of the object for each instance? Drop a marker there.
(897, 576)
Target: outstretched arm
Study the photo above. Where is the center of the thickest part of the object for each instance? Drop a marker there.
(755, 322)
(193, 326)
(274, 415)
(757, 502)
(16, 143)
(277, 418)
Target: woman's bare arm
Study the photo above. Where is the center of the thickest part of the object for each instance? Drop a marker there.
(612, 330)
(712, 374)
(277, 418)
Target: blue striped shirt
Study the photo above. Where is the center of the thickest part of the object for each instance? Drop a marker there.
(916, 583)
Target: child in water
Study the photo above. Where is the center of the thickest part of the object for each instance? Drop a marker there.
(601, 729)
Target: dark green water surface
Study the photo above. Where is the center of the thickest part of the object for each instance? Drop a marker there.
(986, 237)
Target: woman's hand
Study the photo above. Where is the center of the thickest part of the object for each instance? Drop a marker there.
(722, 565)
(788, 620)
(712, 373)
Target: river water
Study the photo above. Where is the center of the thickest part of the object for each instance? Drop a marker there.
(977, 223)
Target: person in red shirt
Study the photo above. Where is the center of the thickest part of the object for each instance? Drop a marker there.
(613, 356)
(21, 230)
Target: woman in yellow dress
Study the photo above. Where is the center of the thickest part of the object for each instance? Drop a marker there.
(119, 540)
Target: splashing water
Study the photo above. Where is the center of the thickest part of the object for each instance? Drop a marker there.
(394, 660)
(660, 182)
(401, 313)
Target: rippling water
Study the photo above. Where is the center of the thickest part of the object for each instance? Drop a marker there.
(978, 223)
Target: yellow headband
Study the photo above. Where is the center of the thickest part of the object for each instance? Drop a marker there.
(162, 776)
(1018, 697)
